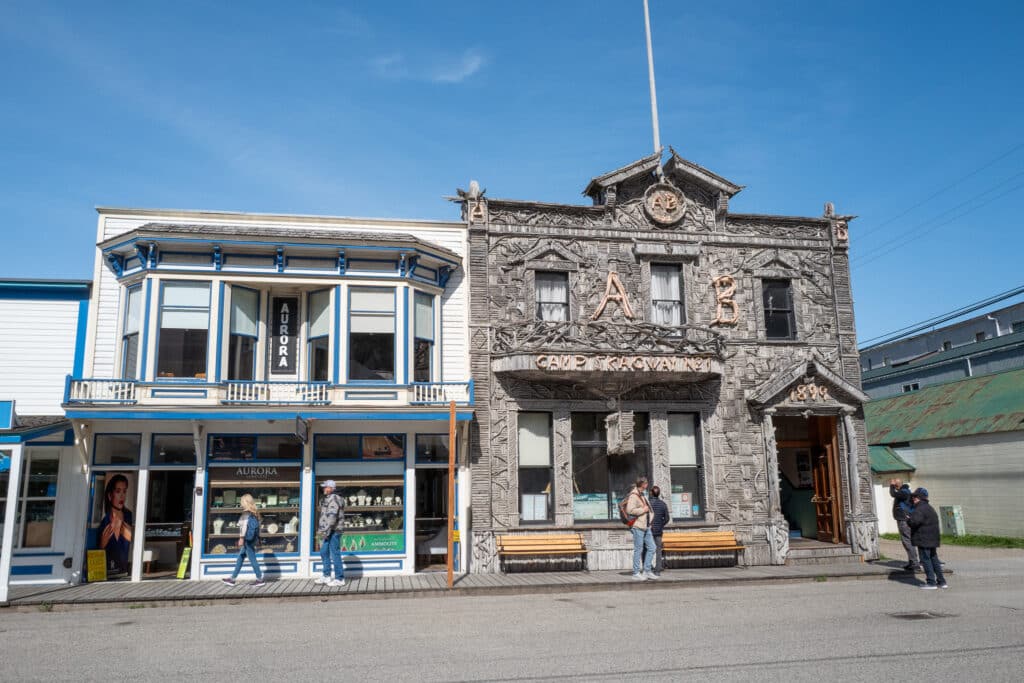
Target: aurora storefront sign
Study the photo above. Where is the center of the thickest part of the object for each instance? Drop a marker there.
(622, 363)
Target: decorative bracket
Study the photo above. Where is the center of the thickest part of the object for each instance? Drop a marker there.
(444, 273)
(341, 262)
(279, 259)
(218, 257)
(116, 263)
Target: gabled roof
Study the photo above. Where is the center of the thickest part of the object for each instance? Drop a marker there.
(631, 170)
(675, 165)
(885, 460)
(976, 405)
(771, 390)
(699, 174)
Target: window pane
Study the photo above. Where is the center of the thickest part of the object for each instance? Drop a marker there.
(319, 359)
(40, 477)
(588, 427)
(372, 322)
(232, 447)
(278, 447)
(682, 439)
(424, 316)
(241, 359)
(133, 310)
(534, 439)
(182, 353)
(130, 357)
(371, 356)
(590, 481)
(117, 449)
(245, 305)
(431, 448)
(371, 299)
(423, 353)
(686, 499)
(320, 313)
(535, 494)
(338, 447)
(624, 470)
(173, 449)
(186, 294)
(777, 326)
(552, 287)
(38, 524)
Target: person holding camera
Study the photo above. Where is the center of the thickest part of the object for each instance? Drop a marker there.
(901, 509)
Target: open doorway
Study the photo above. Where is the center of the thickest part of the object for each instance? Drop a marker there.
(168, 522)
(809, 491)
(431, 518)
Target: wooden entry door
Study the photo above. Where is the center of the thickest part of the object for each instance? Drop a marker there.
(826, 484)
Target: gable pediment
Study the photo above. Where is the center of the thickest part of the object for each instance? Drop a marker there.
(547, 254)
(771, 261)
(808, 384)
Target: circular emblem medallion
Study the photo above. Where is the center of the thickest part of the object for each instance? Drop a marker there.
(664, 203)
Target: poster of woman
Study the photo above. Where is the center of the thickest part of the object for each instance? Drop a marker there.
(113, 498)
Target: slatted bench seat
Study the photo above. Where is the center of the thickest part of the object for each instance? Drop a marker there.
(541, 551)
(681, 542)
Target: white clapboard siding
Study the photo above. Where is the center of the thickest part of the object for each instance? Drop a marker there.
(37, 351)
(454, 312)
(982, 473)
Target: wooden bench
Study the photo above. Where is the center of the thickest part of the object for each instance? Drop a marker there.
(680, 542)
(545, 547)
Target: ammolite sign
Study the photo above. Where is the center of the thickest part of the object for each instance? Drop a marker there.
(623, 363)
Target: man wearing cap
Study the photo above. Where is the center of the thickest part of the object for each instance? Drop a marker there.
(330, 526)
(924, 533)
(901, 509)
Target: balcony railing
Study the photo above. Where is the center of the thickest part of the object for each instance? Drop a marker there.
(134, 392)
(604, 337)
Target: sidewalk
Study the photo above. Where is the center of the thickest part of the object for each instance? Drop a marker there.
(172, 591)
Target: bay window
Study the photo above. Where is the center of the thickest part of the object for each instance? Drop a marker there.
(319, 335)
(423, 337)
(130, 333)
(371, 339)
(536, 487)
(245, 306)
(687, 499)
(666, 295)
(184, 329)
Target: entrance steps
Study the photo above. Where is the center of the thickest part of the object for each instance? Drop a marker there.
(808, 551)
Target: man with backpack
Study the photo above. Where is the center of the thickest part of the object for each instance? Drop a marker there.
(638, 512)
(901, 509)
(330, 526)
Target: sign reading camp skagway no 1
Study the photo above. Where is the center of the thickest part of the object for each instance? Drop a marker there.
(623, 363)
(285, 313)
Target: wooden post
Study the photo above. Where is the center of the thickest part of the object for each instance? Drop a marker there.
(451, 494)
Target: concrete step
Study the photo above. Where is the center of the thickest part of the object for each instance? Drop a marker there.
(821, 554)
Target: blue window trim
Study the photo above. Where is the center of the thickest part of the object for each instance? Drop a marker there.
(361, 436)
(394, 334)
(173, 465)
(159, 326)
(310, 338)
(405, 326)
(314, 554)
(80, 332)
(219, 345)
(124, 324)
(337, 334)
(104, 466)
(256, 447)
(433, 332)
(145, 330)
(259, 319)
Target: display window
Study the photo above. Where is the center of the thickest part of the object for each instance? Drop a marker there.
(601, 479)
(173, 449)
(112, 520)
(117, 449)
(686, 466)
(432, 448)
(374, 512)
(359, 447)
(37, 501)
(276, 491)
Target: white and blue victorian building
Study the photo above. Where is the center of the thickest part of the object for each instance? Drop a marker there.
(235, 353)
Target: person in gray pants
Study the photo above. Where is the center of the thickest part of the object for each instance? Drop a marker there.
(901, 509)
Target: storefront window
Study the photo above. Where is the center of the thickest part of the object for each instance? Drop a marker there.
(39, 498)
(130, 335)
(319, 335)
(184, 329)
(359, 446)
(5, 478)
(423, 349)
(432, 448)
(245, 318)
(600, 480)
(117, 449)
(371, 340)
(173, 449)
(276, 492)
(255, 447)
(536, 486)
(687, 500)
(374, 518)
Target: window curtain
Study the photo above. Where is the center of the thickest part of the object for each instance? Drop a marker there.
(553, 296)
(665, 305)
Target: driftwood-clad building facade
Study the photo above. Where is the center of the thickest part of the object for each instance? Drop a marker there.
(655, 333)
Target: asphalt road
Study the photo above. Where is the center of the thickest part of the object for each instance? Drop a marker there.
(867, 630)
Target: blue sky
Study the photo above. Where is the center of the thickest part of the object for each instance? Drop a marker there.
(907, 115)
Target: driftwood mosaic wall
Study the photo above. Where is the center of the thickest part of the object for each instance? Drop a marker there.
(640, 218)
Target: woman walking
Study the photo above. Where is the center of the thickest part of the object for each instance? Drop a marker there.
(248, 537)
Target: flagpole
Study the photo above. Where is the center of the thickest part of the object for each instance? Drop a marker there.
(650, 71)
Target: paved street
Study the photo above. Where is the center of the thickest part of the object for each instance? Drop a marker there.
(869, 629)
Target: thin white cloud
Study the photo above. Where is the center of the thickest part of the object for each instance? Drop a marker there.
(429, 69)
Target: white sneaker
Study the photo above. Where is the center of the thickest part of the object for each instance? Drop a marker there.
(639, 577)
(322, 580)
(335, 583)
(650, 576)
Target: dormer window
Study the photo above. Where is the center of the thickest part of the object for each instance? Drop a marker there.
(552, 296)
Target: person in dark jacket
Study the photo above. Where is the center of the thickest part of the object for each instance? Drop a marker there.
(901, 509)
(659, 519)
(924, 532)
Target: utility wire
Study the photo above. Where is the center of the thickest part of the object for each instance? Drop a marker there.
(956, 182)
(941, 318)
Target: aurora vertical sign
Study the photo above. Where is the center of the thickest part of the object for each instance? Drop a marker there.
(285, 313)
